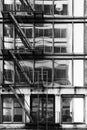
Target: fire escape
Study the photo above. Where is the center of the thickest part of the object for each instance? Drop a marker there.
(10, 17)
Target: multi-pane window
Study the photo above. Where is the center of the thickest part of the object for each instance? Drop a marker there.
(12, 111)
(72, 108)
(42, 108)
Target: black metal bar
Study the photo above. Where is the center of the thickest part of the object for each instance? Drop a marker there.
(21, 33)
(20, 67)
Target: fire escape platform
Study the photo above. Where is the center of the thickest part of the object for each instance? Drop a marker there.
(25, 55)
(40, 18)
(39, 54)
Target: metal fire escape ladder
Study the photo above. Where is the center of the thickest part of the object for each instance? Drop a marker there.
(27, 5)
(21, 34)
(20, 102)
(20, 67)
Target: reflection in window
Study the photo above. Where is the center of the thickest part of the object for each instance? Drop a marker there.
(43, 37)
(60, 8)
(63, 72)
(12, 111)
(70, 111)
(8, 5)
(27, 66)
(59, 33)
(43, 71)
(60, 49)
(8, 31)
(8, 72)
(42, 108)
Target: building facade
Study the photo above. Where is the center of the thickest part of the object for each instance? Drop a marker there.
(44, 64)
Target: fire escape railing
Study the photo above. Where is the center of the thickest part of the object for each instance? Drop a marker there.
(27, 44)
(20, 32)
(20, 67)
(27, 5)
(20, 102)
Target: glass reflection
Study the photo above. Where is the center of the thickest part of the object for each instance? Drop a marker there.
(43, 37)
(62, 72)
(28, 32)
(43, 72)
(8, 36)
(60, 7)
(8, 72)
(27, 67)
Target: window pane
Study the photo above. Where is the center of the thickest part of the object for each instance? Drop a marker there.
(28, 69)
(42, 108)
(7, 115)
(78, 73)
(8, 71)
(66, 110)
(78, 109)
(7, 102)
(43, 37)
(18, 115)
(63, 72)
(85, 71)
(43, 72)
(78, 7)
(78, 38)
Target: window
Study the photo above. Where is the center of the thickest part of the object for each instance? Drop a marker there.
(59, 33)
(63, 72)
(8, 75)
(42, 108)
(12, 111)
(72, 108)
(8, 31)
(59, 49)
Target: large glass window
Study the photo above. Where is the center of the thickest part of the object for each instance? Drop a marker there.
(70, 111)
(42, 108)
(43, 37)
(12, 111)
(27, 67)
(28, 33)
(63, 72)
(43, 72)
(60, 38)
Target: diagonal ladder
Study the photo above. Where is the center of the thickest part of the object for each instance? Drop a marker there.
(20, 102)
(27, 5)
(21, 34)
(20, 67)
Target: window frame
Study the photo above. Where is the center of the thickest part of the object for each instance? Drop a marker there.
(72, 96)
(41, 96)
(4, 96)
